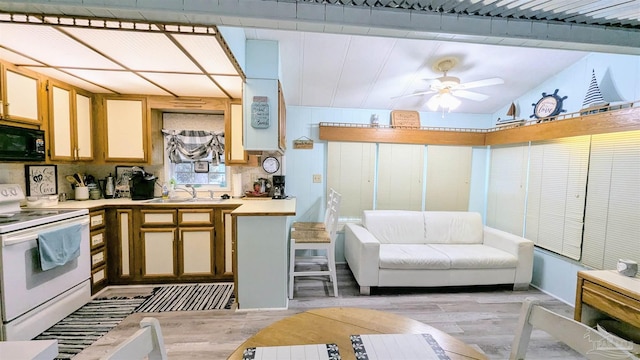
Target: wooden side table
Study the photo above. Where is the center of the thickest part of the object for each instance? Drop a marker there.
(608, 292)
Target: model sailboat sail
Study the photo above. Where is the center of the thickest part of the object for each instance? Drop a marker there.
(593, 98)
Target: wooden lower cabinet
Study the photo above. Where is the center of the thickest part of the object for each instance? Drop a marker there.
(98, 248)
(172, 245)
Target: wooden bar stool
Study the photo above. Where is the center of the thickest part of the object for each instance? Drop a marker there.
(323, 240)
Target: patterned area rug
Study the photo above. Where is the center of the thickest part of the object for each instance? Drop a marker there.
(193, 297)
(87, 324)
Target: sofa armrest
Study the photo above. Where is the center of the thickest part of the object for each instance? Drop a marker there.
(362, 252)
(518, 246)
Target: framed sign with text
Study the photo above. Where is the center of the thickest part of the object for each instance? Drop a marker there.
(41, 179)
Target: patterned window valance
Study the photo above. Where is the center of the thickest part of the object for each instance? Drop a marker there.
(193, 145)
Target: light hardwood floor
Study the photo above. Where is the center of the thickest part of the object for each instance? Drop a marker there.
(483, 317)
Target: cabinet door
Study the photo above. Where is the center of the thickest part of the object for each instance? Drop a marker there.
(158, 252)
(21, 97)
(62, 140)
(228, 243)
(83, 133)
(125, 243)
(235, 153)
(126, 130)
(196, 251)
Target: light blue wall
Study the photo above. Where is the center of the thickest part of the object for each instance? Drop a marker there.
(617, 77)
(302, 164)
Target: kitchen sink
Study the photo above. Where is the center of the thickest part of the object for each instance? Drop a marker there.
(181, 200)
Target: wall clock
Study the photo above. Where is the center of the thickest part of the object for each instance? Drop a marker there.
(549, 105)
(271, 165)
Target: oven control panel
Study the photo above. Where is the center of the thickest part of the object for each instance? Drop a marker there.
(10, 192)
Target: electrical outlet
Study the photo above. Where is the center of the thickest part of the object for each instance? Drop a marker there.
(317, 178)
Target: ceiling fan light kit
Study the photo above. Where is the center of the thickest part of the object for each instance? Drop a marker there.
(448, 89)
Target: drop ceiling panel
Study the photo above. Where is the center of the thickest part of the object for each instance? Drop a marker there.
(186, 84)
(140, 51)
(207, 52)
(69, 79)
(50, 46)
(14, 58)
(232, 84)
(121, 82)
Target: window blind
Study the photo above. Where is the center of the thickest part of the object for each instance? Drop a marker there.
(400, 177)
(448, 178)
(612, 214)
(507, 188)
(556, 194)
(350, 171)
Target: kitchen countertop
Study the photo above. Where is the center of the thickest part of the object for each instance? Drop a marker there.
(251, 207)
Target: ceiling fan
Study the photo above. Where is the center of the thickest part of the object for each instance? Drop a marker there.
(449, 88)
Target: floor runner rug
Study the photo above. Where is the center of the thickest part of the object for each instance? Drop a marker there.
(193, 297)
(87, 324)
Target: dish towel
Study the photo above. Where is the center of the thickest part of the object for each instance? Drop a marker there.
(58, 247)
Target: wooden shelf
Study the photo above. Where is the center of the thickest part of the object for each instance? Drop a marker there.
(624, 117)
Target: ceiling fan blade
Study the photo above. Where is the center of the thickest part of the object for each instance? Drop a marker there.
(414, 94)
(469, 95)
(480, 83)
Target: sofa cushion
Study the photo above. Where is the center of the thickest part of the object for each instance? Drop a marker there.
(395, 226)
(476, 256)
(410, 256)
(453, 227)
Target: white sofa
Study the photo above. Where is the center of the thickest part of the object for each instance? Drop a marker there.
(434, 248)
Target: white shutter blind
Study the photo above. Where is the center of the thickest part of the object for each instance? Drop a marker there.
(448, 178)
(507, 188)
(400, 173)
(350, 171)
(612, 216)
(556, 193)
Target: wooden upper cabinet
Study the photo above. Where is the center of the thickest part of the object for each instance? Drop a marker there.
(234, 146)
(20, 96)
(70, 124)
(126, 129)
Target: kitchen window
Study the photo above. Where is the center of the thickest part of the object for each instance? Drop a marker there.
(194, 150)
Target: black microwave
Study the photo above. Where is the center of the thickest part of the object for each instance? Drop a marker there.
(21, 144)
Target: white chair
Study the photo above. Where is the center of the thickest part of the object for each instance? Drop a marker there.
(299, 225)
(323, 240)
(145, 343)
(583, 339)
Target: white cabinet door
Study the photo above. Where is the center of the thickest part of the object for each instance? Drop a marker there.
(21, 97)
(84, 144)
(62, 144)
(235, 152)
(158, 251)
(70, 124)
(197, 251)
(126, 127)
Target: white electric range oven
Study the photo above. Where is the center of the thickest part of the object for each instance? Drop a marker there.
(32, 300)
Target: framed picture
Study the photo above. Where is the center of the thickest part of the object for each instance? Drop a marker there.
(41, 179)
(201, 166)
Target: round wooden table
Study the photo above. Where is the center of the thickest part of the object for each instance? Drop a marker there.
(335, 325)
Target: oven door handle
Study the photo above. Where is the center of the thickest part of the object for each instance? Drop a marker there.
(31, 235)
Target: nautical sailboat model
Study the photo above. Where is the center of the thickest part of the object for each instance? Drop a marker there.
(507, 122)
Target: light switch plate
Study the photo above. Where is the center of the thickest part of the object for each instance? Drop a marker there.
(317, 178)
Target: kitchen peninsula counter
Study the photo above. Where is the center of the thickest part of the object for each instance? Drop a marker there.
(262, 207)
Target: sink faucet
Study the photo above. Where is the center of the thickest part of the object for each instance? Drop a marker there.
(190, 189)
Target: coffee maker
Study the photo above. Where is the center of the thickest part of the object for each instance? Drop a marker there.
(278, 187)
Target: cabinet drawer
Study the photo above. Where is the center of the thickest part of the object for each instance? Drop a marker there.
(98, 258)
(195, 217)
(97, 239)
(98, 275)
(96, 219)
(611, 302)
(157, 217)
